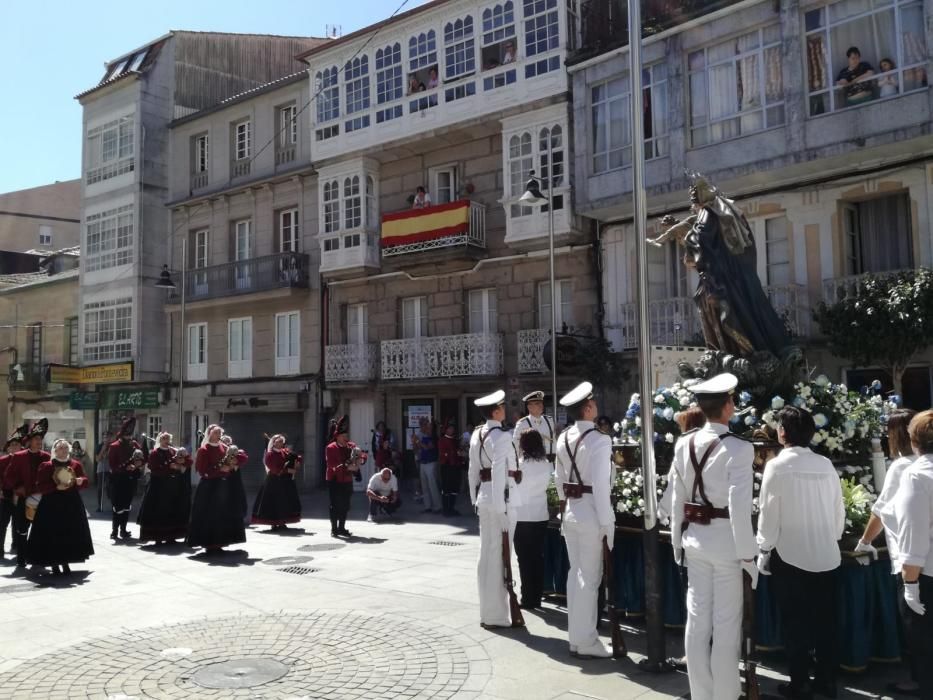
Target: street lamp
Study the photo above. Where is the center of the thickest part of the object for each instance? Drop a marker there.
(165, 282)
(533, 195)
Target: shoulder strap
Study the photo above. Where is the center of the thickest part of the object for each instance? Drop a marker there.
(482, 443)
(698, 467)
(550, 429)
(573, 453)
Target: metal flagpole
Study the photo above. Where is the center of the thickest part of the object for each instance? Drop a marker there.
(655, 624)
(182, 364)
(553, 283)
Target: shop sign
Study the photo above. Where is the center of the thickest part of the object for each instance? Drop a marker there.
(117, 373)
(131, 399)
(83, 400)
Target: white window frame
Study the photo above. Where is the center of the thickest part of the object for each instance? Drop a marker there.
(771, 113)
(330, 197)
(242, 139)
(290, 362)
(327, 85)
(196, 352)
(450, 170)
(459, 49)
(352, 203)
(45, 235)
(541, 54)
(109, 238)
(371, 207)
(242, 254)
(107, 329)
(153, 425)
(357, 92)
(482, 307)
(773, 238)
(564, 305)
(288, 126)
(357, 324)
(240, 354)
(415, 310)
(201, 259)
(111, 149)
(201, 161)
(288, 230)
(532, 150)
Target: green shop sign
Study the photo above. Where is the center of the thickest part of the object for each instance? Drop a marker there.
(130, 399)
(83, 400)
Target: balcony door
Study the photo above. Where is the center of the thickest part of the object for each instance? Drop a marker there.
(357, 325)
(444, 184)
(415, 317)
(200, 247)
(242, 252)
(483, 315)
(878, 235)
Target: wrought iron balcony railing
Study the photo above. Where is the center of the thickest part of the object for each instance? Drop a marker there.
(468, 355)
(531, 350)
(350, 363)
(28, 376)
(282, 270)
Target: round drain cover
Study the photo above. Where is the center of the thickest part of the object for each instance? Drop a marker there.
(239, 673)
(287, 561)
(321, 547)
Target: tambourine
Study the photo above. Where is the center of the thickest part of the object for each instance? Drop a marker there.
(64, 477)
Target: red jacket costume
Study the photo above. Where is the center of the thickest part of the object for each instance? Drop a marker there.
(336, 458)
(449, 452)
(209, 458)
(22, 471)
(275, 461)
(160, 461)
(4, 464)
(119, 455)
(46, 484)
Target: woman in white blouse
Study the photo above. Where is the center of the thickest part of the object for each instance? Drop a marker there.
(884, 516)
(532, 514)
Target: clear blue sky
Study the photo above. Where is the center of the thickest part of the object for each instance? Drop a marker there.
(52, 50)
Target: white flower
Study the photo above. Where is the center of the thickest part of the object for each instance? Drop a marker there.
(641, 502)
(659, 398)
(685, 402)
(822, 380)
(817, 439)
(637, 512)
(669, 437)
(617, 427)
(638, 421)
(777, 403)
(626, 492)
(639, 480)
(805, 391)
(820, 420)
(668, 413)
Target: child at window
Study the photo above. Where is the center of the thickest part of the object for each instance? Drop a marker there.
(432, 78)
(887, 84)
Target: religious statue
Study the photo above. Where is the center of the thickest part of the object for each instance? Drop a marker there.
(742, 331)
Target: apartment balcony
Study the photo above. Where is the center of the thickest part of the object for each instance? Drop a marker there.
(468, 355)
(263, 274)
(285, 155)
(239, 168)
(670, 321)
(531, 350)
(350, 363)
(349, 253)
(839, 288)
(792, 304)
(198, 181)
(28, 376)
(458, 226)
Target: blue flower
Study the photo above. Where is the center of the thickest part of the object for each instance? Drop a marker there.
(745, 397)
(799, 402)
(896, 399)
(668, 413)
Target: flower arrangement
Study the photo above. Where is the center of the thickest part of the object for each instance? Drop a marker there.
(628, 492)
(857, 499)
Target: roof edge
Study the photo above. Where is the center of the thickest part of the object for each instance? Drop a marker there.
(263, 89)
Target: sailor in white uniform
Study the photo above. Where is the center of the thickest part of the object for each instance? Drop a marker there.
(583, 475)
(492, 474)
(536, 420)
(713, 478)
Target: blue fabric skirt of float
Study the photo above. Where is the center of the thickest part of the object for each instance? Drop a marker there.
(869, 624)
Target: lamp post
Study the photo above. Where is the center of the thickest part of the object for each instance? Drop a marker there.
(165, 282)
(533, 195)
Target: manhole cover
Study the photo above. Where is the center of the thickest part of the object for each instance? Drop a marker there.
(447, 543)
(329, 547)
(299, 570)
(239, 673)
(286, 561)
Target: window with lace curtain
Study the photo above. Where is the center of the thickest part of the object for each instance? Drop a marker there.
(736, 87)
(891, 31)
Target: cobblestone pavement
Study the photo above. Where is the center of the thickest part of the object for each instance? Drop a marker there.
(389, 613)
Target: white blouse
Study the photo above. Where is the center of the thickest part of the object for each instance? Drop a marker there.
(536, 474)
(886, 507)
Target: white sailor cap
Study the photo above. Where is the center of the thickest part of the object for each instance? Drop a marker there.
(496, 398)
(720, 384)
(533, 396)
(580, 393)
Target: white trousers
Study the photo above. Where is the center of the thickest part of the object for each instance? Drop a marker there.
(493, 595)
(430, 486)
(713, 637)
(585, 550)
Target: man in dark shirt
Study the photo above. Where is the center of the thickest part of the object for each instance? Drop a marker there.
(855, 77)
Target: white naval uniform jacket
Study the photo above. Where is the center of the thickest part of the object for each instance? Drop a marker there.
(543, 424)
(491, 447)
(727, 481)
(594, 463)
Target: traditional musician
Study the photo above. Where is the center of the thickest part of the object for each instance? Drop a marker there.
(584, 480)
(216, 518)
(20, 480)
(536, 420)
(450, 460)
(13, 445)
(711, 530)
(163, 513)
(124, 476)
(343, 463)
(277, 503)
(235, 460)
(60, 534)
(492, 459)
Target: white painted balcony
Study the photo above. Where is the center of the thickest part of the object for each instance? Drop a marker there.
(350, 363)
(349, 252)
(531, 350)
(467, 355)
(793, 305)
(671, 322)
(839, 288)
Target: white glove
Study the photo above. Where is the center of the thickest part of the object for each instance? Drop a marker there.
(764, 563)
(865, 548)
(912, 596)
(679, 556)
(752, 570)
(609, 532)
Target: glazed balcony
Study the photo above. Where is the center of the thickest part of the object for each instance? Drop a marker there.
(459, 225)
(270, 272)
(348, 253)
(350, 363)
(440, 357)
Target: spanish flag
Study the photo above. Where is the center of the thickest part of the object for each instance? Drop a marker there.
(430, 223)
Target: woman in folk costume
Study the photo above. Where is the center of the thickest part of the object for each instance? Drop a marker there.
(277, 502)
(125, 471)
(236, 476)
(163, 513)
(216, 516)
(13, 445)
(20, 480)
(343, 466)
(60, 534)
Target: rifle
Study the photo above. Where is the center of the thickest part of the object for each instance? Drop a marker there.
(749, 667)
(619, 649)
(515, 612)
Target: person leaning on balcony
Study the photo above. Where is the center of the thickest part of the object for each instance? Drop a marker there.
(884, 516)
(887, 84)
(432, 78)
(856, 78)
(915, 544)
(422, 198)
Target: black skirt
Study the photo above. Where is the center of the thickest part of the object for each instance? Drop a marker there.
(217, 515)
(59, 532)
(163, 513)
(450, 479)
(236, 478)
(277, 502)
(122, 491)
